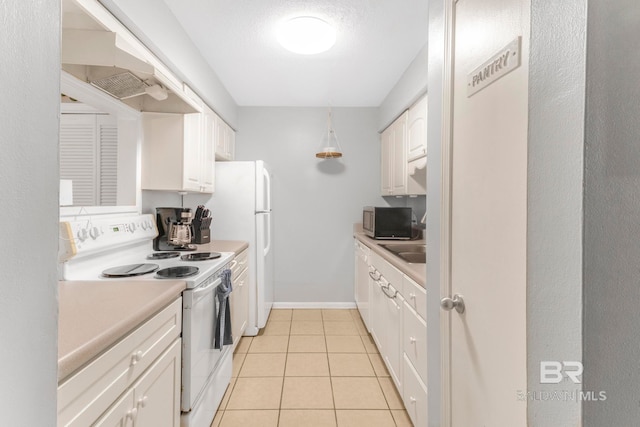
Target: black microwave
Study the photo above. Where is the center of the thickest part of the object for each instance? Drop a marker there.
(387, 223)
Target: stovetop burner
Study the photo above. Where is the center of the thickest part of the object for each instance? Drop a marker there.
(201, 256)
(130, 270)
(177, 272)
(163, 255)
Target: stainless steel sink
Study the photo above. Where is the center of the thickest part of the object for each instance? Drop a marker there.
(413, 253)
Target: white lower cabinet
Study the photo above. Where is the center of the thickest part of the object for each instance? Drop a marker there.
(376, 308)
(397, 312)
(414, 395)
(392, 316)
(361, 289)
(134, 383)
(239, 298)
(415, 340)
(154, 400)
(121, 414)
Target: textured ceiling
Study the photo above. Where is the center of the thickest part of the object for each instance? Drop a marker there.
(376, 42)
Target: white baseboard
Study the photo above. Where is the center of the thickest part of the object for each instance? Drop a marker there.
(327, 305)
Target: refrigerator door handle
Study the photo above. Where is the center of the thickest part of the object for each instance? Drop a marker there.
(267, 247)
(267, 184)
(263, 212)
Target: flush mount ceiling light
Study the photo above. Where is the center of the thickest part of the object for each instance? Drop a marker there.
(306, 35)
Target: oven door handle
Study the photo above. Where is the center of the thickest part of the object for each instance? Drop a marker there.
(213, 284)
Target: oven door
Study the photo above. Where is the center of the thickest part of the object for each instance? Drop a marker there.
(199, 358)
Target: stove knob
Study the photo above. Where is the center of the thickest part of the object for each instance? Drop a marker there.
(82, 234)
(94, 233)
(145, 225)
(132, 227)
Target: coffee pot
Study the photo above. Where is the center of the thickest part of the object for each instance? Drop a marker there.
(174, 229)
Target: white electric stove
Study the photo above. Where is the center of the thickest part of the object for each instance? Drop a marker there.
(120, 248)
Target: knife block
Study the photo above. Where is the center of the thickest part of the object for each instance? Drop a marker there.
(201, 231)
(201, 235)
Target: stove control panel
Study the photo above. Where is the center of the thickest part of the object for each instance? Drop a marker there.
(95, 234)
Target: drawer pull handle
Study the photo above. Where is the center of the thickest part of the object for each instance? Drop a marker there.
(143, 401)
(233, 264)
(384, 291)
(412, 340)
(136, 357)
(412, 295)
(374, 278)
(412, 399)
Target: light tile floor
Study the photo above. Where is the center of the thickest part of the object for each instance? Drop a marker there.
(310, 368)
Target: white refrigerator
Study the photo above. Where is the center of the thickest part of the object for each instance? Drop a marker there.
(241, 210)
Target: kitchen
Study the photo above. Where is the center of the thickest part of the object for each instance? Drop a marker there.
(333, 285)
(32, 90)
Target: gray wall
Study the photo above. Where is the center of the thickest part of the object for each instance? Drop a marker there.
(612, 214)
(29, 106)
(316, 202)
(155, 26)
(412, 85)
(554, 211)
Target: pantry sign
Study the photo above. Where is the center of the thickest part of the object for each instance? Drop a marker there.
(499, 65)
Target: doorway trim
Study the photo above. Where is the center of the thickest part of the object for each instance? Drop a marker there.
(445, 207)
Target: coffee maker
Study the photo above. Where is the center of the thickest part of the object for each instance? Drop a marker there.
(174, 230)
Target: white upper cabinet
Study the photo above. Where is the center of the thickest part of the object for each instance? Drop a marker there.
(386, 161)
(177, 153)
(399, 170)
(403, 153)
(225, 140)
(417, 130)
(394, 158)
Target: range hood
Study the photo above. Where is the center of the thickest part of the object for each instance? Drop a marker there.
(107, 49)
(97, 49)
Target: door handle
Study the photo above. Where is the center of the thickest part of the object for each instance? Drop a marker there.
(456, 302)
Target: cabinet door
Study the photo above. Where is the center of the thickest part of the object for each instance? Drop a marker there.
(417, 130)
(231, 144)
(392, 318)
(386, 156)
(208, 153)
(239, 306)
(414, 395)
(157, 392)
(376, 309)
(399, 156)
(192, 152)
(414, 337)
(121, 414)
(221, 139)
(361, 285)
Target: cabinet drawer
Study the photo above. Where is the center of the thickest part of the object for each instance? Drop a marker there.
(240, 263)
(415, 340)
(416, 296)
(388, 271)
(414, 395)
(86, 395)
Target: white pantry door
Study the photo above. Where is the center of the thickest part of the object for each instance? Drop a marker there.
(488, 218)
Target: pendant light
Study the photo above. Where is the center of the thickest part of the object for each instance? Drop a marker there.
(330, 148)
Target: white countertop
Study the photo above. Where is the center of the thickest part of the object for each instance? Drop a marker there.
(94, 315)
(417, 272)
